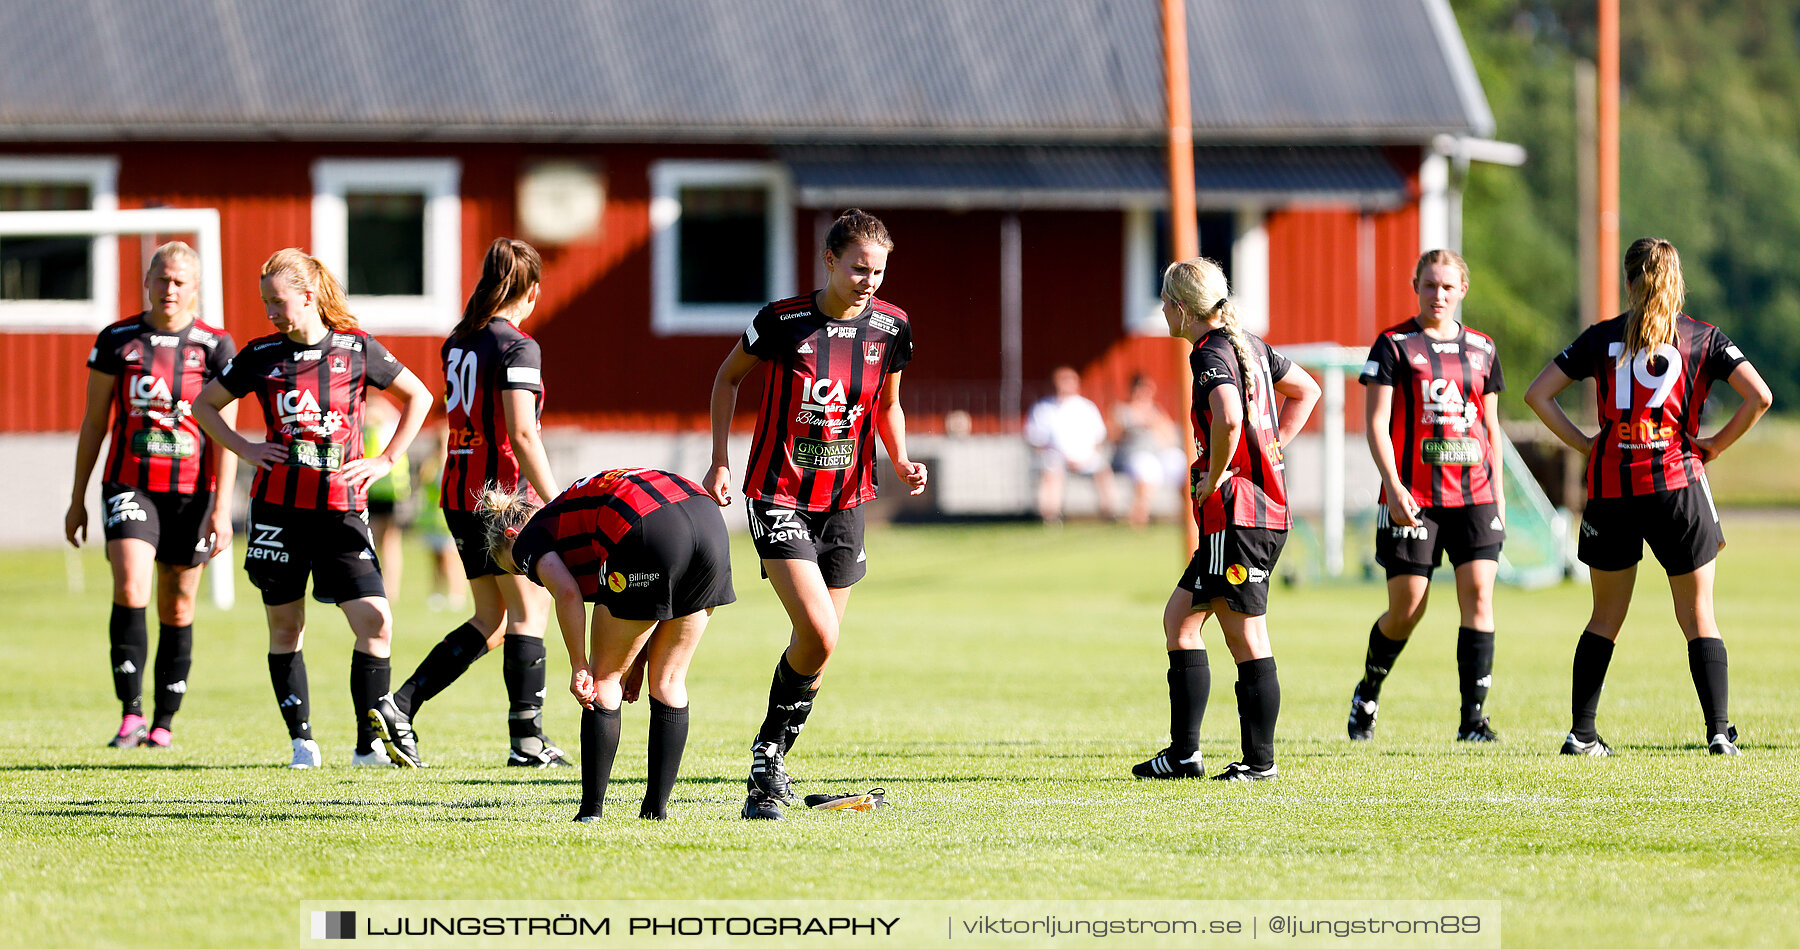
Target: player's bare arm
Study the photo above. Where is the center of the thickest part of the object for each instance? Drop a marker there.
(571, 618)
(208, 411)
(1541, 396)
(1490, 414)
(731, 375)
(520, 408)
(87, 451)
(1378, 409)
(225, 489)
(415, 404)
(890, 424)
(1222, 443)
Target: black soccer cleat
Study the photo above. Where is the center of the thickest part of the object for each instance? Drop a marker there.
(1239, 771)
(1479, 731)
(1362, 716)
(760, 806)
(396, 732)
(588, 814)
(1166, 767)
(768, 773)
(536, 752)
(1598, 748)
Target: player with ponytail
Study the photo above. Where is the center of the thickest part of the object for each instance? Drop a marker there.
(1646, 478)
(1240, 503)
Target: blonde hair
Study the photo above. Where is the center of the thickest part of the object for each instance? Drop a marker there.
(306, 272)
(1432, 258)
(173, 251)
(499, 510)
(1199, 284)
(1653, 277)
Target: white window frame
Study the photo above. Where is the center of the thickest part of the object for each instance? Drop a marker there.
(671, 317)
(1249, 277)
(101, 174)
(439, 179)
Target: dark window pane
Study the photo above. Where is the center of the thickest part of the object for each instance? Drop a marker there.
(1218, 230)
(44, 268)
(724, 245)
(386, 244)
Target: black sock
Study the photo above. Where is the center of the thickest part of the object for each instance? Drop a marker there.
(130, 646)
(1593, 653)
(1474, 669)
(1259, 705)
(1378, 662)
(287, 671)
(1190, 685)
(450, 658)
(174, 657)
(668, 738)
(1712, 680)
(369, 679)
(524, 669)
(790, 701)
(599, 743)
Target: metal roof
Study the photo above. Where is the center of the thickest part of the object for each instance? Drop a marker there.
(772, 71)
(1085, 176)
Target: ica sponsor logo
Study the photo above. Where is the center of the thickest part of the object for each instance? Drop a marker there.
(296, 402)
(1444, 405)
(822, 395)
(149, 390)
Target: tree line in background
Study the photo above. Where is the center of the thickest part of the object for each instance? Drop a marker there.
(1709, 159)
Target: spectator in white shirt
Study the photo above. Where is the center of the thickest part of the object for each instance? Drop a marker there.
(1069, 435)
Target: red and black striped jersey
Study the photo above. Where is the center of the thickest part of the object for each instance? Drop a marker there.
(1255, 495)
(1649, 403)
(814, 448)
(478, 369)
(1438, 421)
(156, 444)
(312, 401)
(583, 524)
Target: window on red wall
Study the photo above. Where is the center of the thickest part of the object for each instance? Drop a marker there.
(57, 282)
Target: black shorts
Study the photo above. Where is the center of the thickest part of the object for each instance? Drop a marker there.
(1236, 564)
(1681, 526)
(831, 539)
(676, 561)
(471, 544)
(285, 545)
(175, 524)
(1474, 532)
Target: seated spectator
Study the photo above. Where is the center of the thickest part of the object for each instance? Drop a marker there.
(1070, 437)
(1147, 448)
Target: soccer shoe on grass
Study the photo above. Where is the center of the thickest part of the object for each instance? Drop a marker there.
(1723, 744)
(374, 758)
(158, 738)
(1362, 716)
(760, 806)
(768, 773)
(1598, 748)
(396, 732)
(132, 730)
(1238, 771)
(1165, 767)
(306, 754)
(536, 752)
(1480, 731)
(861, 803)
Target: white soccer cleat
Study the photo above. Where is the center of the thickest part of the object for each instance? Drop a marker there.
(376, 758)
(306, 754)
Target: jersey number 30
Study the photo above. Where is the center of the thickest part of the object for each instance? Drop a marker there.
(459, 381)
(1659, 384)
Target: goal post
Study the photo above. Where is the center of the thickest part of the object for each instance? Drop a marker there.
(203, 223)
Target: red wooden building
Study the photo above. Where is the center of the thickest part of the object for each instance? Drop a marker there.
(676, 164)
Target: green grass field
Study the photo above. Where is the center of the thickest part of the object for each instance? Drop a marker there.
(998, 681)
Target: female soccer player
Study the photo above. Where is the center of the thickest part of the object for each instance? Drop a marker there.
(649, 550)
(1434, 428)
(1646, 480)
(162, 476)
(1240, 503)
(835, 358)
(493, 395)
(308, 513)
